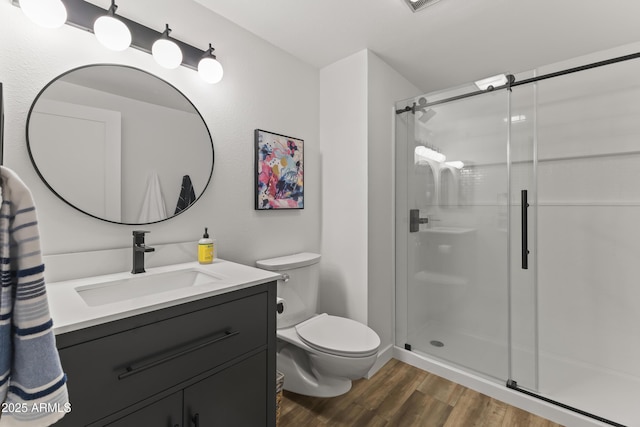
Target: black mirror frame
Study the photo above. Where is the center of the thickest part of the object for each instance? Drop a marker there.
(35, 166)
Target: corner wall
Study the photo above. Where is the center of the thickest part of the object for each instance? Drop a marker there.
(343, 145)
(357, 101)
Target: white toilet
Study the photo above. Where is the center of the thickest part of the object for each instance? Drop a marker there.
(318, 354)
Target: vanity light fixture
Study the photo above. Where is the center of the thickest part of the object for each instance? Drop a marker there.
(83, 15)
(209, 68)
(111, 32)
(430, 154)
(46, 13)
(166, 52)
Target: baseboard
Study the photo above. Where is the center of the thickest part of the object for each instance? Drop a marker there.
(384, 356)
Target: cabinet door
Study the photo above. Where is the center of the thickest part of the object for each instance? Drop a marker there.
(236, 396)
(166, 412)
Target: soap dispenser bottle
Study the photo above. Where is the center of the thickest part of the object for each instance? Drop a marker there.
(205, 249)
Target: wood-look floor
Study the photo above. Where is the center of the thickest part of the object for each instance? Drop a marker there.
(401, 395)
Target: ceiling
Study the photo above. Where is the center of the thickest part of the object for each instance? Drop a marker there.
(447, 44)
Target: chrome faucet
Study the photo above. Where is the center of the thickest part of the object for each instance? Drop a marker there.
(139, 248)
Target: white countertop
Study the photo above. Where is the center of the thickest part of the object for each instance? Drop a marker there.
(70, 312)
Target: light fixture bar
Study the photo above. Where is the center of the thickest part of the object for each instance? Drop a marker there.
(82, 15)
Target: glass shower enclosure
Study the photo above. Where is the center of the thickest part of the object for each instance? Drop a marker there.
(517, 224)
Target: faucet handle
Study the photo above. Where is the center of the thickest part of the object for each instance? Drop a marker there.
(138, 236)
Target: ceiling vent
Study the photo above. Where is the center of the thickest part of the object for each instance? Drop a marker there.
(416, 5)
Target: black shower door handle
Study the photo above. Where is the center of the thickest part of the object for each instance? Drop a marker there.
(415, 220)
(525, 246)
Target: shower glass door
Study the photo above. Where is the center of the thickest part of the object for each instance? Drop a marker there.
(455, 214)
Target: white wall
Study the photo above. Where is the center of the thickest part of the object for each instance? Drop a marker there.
(263, 88)
(343, 142)
(356, 132)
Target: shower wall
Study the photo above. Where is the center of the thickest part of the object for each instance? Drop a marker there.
(589, 205)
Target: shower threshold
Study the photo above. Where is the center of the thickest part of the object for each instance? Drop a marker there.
(565, 383)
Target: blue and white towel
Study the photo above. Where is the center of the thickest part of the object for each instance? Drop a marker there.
(33, 388)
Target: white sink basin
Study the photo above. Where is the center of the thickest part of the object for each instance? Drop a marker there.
(143, 284)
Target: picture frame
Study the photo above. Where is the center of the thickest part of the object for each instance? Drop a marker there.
(279, 171)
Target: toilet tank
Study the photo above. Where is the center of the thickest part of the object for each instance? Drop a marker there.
(299, 286)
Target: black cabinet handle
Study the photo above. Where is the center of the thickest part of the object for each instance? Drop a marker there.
(196, 420)
(160, 359)
(525, 245)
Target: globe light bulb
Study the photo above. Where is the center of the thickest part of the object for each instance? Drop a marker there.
(210, 70)
(112, 33)
(46, 13)
(166, 52)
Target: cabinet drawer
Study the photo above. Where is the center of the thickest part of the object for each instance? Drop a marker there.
(110, 373)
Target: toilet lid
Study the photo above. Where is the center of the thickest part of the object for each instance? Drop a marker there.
(339, 336)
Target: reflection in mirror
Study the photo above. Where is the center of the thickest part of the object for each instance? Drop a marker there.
(425, 184)
(449, 181)
(120, 144)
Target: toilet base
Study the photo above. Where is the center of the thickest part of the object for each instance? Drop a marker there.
(300, 377)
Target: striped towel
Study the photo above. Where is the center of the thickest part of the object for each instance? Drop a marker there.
(32, 384)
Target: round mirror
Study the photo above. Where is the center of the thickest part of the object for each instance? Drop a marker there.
(120, 144)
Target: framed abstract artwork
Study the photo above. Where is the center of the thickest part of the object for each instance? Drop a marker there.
(279, 171)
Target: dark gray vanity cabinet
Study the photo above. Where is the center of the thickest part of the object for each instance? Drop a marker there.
(223, 399)
(205, 363)
(166, 412)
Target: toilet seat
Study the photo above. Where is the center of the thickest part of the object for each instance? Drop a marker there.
(338, 336)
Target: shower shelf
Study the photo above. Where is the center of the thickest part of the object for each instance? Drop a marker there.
(431, 278)
(448, 230)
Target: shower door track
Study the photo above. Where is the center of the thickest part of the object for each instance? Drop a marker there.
(513, 385)
(512, 83)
